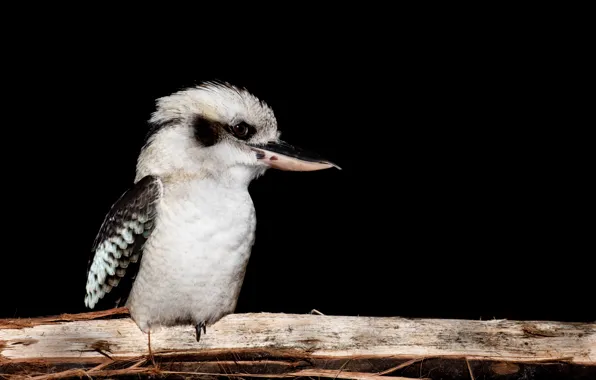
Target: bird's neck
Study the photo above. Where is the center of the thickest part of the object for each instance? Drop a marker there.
(238, 176)
(235, 177)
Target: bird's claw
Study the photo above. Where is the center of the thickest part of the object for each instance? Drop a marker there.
(198, 328)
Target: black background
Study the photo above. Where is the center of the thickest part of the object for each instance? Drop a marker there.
(456, 198)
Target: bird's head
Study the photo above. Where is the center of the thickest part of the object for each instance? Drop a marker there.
(220, 130)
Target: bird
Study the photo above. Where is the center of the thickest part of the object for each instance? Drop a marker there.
(174, 247)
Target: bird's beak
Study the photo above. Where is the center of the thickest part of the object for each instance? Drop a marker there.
(283, 156)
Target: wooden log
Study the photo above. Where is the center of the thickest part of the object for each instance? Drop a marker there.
(109, 344)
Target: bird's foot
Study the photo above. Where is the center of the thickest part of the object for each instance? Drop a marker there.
(198, 328)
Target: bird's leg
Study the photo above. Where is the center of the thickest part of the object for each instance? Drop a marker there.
(150, 351)
(198, 328)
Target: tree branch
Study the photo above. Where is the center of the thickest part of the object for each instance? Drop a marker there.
(109, 344)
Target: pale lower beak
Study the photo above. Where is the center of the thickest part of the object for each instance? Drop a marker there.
(283, 156)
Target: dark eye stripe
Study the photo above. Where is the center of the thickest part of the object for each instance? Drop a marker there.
(206, 131)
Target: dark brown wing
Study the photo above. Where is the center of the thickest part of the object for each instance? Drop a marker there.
(118, 247)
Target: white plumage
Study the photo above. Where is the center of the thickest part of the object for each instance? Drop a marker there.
(193, 264)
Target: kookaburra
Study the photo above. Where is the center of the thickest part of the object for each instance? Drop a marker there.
(174, 247)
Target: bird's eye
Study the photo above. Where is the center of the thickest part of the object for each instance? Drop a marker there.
(240, 130)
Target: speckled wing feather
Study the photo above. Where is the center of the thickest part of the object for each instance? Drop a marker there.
(118, 247)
